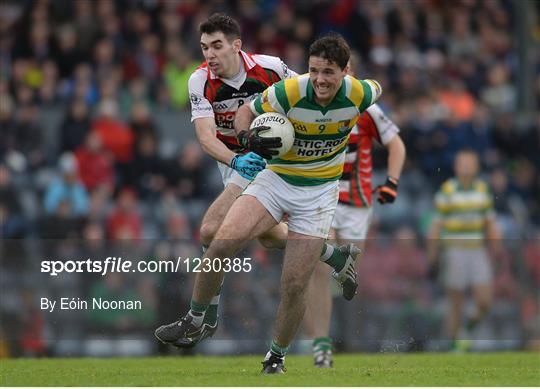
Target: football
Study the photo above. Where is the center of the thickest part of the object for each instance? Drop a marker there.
(280, 127)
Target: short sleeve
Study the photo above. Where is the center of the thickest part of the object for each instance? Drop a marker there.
(372, 91)
(385, 128)
(200, 106)
(273, 99)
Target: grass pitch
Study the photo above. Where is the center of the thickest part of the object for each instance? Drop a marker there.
(501, 369)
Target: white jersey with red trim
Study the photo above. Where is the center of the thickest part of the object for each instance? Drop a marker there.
(220, 98)
(355, 183)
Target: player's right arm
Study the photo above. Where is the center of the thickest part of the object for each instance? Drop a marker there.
(434, 234)
(205, 129)
(203, 117)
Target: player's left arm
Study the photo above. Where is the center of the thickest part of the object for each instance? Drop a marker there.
(386, 131)
(244, 117)
(387, 192)
(493, 233)
(370, 91)
(249, 138)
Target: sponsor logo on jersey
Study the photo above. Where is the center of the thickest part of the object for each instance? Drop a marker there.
(195, 100)
(239, 94)
(285, 70)
(316, 148)
(225, 119)
(219, 106)
(383, 118)
(299, 127)
(344, 125)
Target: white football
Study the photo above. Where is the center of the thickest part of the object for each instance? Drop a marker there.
(280, 126)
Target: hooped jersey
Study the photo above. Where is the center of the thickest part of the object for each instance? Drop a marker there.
(464, 211)
(355, 184)
(321, 133)
(213, 96)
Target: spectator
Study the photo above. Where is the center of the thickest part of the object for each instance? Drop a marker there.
(7, 124)
(499, 94)
(180, 64)
(28, 137)
(141, 121)
(96, 165)
(138, 93)
(125, 222)
(12, 221)
(32, 337)
(115, 287)
(146, 169)
(67, 190)
(114, 134)
(186, 172)
(458, 101)
(75, 126)
(68, 56)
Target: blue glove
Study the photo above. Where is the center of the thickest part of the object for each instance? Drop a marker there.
(248, 165)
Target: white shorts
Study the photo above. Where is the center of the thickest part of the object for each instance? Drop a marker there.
(464, 267)
(231, 176)
(352, 223)
(310, 208)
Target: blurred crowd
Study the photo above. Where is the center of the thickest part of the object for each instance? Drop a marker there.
(87, 163)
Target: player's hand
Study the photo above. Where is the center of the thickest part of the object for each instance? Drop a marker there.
(251, 140)
(387, 193)
(247, 165)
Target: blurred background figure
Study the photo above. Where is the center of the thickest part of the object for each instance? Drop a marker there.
(465, 223)
(66, 194)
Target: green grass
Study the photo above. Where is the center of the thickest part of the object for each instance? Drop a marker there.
(501, 369)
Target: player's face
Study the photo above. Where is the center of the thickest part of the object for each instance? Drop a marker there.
(466, 166)
(220, 54)
(326, 78)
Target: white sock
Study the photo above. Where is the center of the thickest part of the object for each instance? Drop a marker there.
(197, 318)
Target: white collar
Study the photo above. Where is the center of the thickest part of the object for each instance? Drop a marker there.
(247, 60)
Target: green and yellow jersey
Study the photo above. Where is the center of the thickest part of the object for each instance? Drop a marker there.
(321, 133)
(464, 212)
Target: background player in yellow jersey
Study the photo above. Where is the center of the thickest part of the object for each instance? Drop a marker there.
(323, 106)
(465, 219)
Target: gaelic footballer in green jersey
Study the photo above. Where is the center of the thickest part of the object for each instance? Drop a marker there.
(323, 106)
(464, 223)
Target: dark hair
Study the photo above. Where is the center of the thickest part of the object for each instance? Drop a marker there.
(220, 22)
(333, 48)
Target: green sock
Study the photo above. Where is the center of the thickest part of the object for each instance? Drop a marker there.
(197, 308)
(332, 256)
(278, 350)
(211, 315)
(322, 344)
